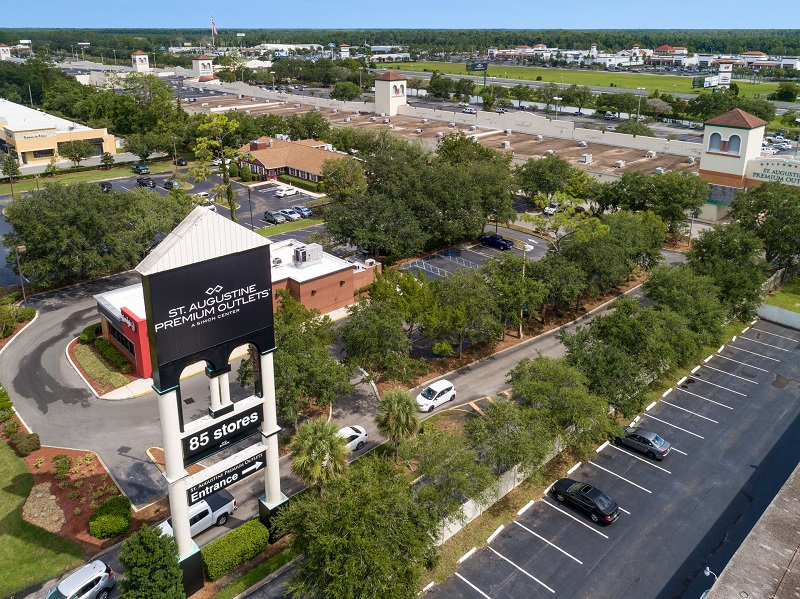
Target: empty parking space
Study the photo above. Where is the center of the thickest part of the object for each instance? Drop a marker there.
(725, 422)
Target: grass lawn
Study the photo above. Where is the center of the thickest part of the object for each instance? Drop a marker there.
(260, 572)
(97, 369)
(28, 554)
(787, 297)
(287, 227)
(663, 83)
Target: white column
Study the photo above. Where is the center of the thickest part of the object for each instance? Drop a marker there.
(170, 435)
(213, 384)
(225, 388)
(272, 475)
(179, 510)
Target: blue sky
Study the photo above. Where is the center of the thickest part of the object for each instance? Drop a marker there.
(346, 14)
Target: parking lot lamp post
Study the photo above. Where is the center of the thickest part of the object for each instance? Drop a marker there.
(252, 226)
(273, 79)
(175, 155)
(557, 99)
(639, 105)
(17, 251)
(115, 57)
(708, 572)
(525, 249)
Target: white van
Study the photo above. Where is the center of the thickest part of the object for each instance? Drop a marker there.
(469, 111)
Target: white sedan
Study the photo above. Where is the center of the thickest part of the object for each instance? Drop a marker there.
(435, 395)
(356, 437)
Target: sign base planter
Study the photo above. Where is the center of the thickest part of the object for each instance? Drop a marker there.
(192, 567)
(267, 513)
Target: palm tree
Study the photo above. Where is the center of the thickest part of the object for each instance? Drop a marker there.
(397, 416)
(319, 453)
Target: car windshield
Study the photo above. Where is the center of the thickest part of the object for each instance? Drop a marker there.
(429, 393)
(603, 501)
(56, 594)
(658, 441)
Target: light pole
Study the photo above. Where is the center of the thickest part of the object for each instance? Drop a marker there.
(175, 155)
(17, 251)
(708, 572)
(273, 79)
(115, 58)
(557, 99)
(525, 249)
(639, 105)
(252, 226)
(691, 228)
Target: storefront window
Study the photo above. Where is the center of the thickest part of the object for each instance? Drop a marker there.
(122, 339)
(43, 153)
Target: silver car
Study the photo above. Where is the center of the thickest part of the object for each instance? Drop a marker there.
(648, 442)
(93, 581)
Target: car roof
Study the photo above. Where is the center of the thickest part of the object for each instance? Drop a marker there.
(346, 431)
(643, 432)
(76, 580)
(441, 384)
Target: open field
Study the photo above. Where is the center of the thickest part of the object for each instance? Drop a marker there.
(663, 83)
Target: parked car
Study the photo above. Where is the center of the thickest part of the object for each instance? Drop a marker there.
(285, 192)
(290, 214)
(179, 161)
(172, 184)
(611, 128)
(105, 186)
(200, 195)
(145, 182)
(207, 204)
(356, 436)
(578, 113)
(207, 512)
(783, 145)
(140, 169)
(497, 241)
(93, 581)
(601, 507)
(463, 104)
(552, 208)
(500, 110)
(469, 111)
(303, 211)
(648, 442)
(435, 395)
(274, 218)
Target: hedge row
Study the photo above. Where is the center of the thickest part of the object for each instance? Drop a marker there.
(112, 518)
(20, 441)
(234, 548)
(90, 333)
(99, 167)
(24, 444)
(110, 353)
(301, 183)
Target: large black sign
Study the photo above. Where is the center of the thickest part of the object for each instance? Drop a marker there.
(221, 433)
(208, 304)
(227, 477)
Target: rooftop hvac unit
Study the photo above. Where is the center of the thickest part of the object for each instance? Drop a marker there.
(334, 110)
(550, 152)
(451, 125)
(241, 96)
(347, 119)
(316, 108)
(505, 145)
(424, 121)
(690, 159)
(219, 105)
(370, 262)
(660, 170)
(232, 109)
(650, 154)
(204, 104)
(356, 112)
(506, 131)
(383, 114)
(247, 112)
(252, 99)
(439, 134)
(276, 262)
(619, 164)
(386, 121)
(305, 255)
(297, 105)
(585, 159)
(391, 126)
(473, 127)
(417, 130)
(373, 119)
(538, 137)
(582, 144)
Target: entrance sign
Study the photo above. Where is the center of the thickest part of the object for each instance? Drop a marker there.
(477, 66)
(228, 476)
(221, 433)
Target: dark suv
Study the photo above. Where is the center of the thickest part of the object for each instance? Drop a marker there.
(105, 186)
(497, 241)
(145, 182)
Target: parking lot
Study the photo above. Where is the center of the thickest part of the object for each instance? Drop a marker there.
(733, 425)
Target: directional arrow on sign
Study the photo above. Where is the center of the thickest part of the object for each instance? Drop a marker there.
(252, 468)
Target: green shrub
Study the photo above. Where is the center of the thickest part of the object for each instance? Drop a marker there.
(62, 464)
(90, 333)
(5, 415)
(245, 174)
(111, 518)
(5, 400)
(24, 444)
(235, 548)
(301, 183)
(110, 353)
(10, 427)
(233, 169)
(25, 314)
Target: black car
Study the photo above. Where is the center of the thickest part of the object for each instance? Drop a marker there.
(105, 186)
(601, 507)
(171, 184)
(497, 241)
(145, 182)
(179, 161)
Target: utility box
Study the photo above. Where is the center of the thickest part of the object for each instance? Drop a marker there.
(582, 144)
(660, 170)
(505, 145)
(538, 137)
(619, 164)
(585, 159)
(550, 152)
(650, 154)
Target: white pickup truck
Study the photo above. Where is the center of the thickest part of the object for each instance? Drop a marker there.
(214, 509)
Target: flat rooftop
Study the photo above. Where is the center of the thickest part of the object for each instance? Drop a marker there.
(16, 117)
(287, 269)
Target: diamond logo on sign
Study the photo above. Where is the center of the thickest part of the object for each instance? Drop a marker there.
(216, 289)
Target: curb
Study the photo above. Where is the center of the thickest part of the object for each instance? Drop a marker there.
(77, 370)
(268, 579)
(17, 334)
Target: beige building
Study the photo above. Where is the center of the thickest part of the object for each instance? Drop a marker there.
(35, 136)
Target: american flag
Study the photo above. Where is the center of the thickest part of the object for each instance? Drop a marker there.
(213, 27)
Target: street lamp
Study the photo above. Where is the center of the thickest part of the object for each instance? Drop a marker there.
(525, 249)
(115, 57)
(557, 99)
(639, 106)
(273, 79)
(708, 572)
(17, 251)
(252, 226)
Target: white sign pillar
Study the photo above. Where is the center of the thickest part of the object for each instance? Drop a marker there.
(225, 389)
(213, 384)
(272, 475)
(174, 470)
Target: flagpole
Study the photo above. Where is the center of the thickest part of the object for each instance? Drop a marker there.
(212, 32)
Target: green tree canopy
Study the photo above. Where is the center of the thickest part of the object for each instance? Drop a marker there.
(150, 560)
(77, 151)
(319, 453)
(346, 90)
(343, 178)
(397, 416)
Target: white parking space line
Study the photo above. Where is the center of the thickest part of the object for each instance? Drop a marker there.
(525, 507)
(705, 398)
(473, 586)
(690, 412)
(621, 477)
(738, 362)
(636, 457)
(720, 386)
(531, 576)
(747, 351)
(624, 510)
(673, 426)
(548, 542)
(555, 507)
(679, 451)
(730, 374)
(762, 343)
(776, 335)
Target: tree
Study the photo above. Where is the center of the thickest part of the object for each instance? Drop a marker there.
(440, 86)
(310, 125)
(346, 91)
(487, 101)
(581, 96)
(569, 222)
(365, 537)
(107, 160)
(565, 281)
(513, 291)
(522, 93)
(77, 150)
(788, 91)
(635, 128)
(508, 435)
(217, 138)
(545, 176)
(150, 561)
(464, 88)
(732, 257)
(406, 293)
(144, 145)
(416, 83)
(657, 106)
(10, 168)
(319, 453)
(772, 211)
(343, 178)
(547, 94)
(397, 416)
